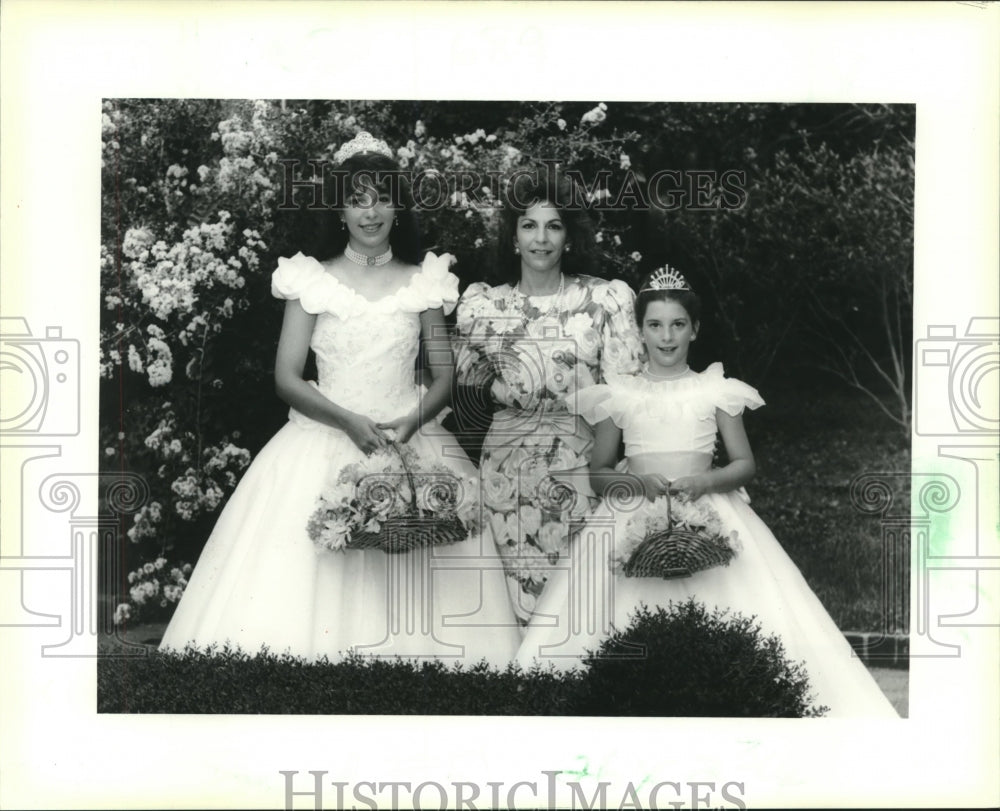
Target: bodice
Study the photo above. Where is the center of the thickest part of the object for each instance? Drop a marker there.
(667, 416)
(535, 352)
(366, 350)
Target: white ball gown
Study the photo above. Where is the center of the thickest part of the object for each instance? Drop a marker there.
(669, 427)
(261, 581)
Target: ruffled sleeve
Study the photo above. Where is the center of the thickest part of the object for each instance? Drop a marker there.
(620, 344)
(434, 286)
(302, 278)
(729, 394)
(602, 402)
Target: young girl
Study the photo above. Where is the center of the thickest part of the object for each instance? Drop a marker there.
(669, 417)
(261, 580)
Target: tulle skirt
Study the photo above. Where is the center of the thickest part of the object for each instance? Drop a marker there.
(585, 599)
(261, 581)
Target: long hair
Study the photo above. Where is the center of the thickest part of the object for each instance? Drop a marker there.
(547, 185)
(365, 171)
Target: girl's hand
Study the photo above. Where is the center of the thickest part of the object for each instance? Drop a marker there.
(654, 484)
(695, 486)
(402, 427)
(365, 433)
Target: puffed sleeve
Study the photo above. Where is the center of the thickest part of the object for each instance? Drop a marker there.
(302, 278)
(598, 403)
(620, 343)
(472, 367)
(435, 286)
(729, 394)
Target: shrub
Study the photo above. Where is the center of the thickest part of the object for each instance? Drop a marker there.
(696, 664)
(686, 661)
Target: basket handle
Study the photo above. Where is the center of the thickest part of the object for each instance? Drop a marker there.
(409, 474)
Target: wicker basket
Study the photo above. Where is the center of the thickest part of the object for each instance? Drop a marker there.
(404, 533)
(673, 553)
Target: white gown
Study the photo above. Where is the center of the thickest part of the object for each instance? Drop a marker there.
(669, 427)
(261, 581)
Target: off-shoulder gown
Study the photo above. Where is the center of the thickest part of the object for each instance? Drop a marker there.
(261, 581)
(669, 427)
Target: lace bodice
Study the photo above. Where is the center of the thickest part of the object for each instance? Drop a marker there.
(666, 416)
(366, 350)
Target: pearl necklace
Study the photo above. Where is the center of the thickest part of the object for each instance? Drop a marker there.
(367, 261)
(655, 376)
(515, 291)
(513, 324)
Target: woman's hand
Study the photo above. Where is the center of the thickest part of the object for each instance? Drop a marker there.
(402, 428)
(365, 433)
(694, 486)
(654, 484)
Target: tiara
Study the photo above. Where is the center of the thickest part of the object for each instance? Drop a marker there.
(361, 143)
(666, 278)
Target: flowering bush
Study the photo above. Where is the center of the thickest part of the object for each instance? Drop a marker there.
(154, 590)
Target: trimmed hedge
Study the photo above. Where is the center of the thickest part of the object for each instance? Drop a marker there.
(696, 663)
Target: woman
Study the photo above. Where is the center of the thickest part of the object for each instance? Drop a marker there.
(261, 579)
(533, 341)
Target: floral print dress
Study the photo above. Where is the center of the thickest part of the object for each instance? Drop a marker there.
(533, 353)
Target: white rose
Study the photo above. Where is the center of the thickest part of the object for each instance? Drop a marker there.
(501, 528)
(587, 342)
(498, 492)
(573, 298)
(603, 296)
(529, 521)
(616, 356)
(550, 537)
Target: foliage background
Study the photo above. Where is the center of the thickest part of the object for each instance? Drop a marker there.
(807, 284)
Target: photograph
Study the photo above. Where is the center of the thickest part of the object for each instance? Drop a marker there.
(505, 405)
(517, 264)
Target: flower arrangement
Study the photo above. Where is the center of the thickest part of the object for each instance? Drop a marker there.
(674, 537)
(392, 501)
(154, 591)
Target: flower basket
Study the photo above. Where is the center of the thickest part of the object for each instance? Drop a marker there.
(681, 548)
(392, 503)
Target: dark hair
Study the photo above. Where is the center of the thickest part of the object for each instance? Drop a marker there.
(528, 187)
(688, 299)
(364, 171)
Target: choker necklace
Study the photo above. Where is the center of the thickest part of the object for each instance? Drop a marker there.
(662, 377)
(367, 261)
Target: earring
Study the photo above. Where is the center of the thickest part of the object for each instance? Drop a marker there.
(517, 251)
(395, 220)
(343, 225)
(566, 249)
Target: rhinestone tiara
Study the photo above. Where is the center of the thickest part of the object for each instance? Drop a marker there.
(361, 143)
(666, 278)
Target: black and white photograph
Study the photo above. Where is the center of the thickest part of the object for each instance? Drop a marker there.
(518, 265)
(603, 434)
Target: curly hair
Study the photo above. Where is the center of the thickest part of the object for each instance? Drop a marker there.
(527, 188)
(366, 171)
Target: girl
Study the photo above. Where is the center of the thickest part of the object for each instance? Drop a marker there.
(669, 417)
(261, 580)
